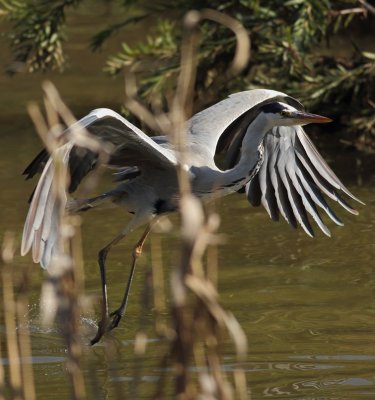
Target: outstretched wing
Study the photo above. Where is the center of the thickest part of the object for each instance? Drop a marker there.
(211, 129)
(129, 147)
(293, 180)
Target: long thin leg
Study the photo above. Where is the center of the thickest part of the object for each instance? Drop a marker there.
(137, 251)
(101, 259)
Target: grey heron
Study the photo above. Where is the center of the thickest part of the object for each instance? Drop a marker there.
(267, 154)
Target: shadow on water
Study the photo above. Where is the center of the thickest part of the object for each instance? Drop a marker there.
(307, 305)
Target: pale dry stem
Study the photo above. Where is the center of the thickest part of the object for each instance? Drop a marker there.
(62, 293)
(198, 319)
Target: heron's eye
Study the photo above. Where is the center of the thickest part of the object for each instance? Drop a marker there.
(285, 113)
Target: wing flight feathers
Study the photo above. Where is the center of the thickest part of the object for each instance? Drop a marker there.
(293, 180)
(129, 147)
(41, 227)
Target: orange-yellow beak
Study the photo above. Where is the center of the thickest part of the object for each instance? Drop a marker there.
(306, 118)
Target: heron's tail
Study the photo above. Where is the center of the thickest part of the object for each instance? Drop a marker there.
(42, 226)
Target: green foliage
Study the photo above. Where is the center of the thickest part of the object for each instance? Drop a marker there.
(37, 35)
(158, 52)
(349, 92)
(288, 42)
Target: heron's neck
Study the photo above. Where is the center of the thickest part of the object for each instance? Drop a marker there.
(231, 180)
(252, 144)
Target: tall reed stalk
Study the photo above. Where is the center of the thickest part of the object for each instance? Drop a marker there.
(198, 324)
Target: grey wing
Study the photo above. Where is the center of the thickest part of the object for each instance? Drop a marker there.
(293, 180)
(211, 129)
(129, 147)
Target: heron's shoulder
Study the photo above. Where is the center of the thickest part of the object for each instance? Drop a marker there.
(220, 115)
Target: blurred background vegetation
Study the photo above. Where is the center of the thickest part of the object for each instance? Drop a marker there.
(319, 51)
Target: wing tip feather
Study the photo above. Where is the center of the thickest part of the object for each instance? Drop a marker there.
(351, 195)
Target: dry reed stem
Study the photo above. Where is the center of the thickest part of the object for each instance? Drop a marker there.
(9, 305)
(2, 377)
(157, 275)
(194, 231)
(370, 8)
(196, 321)
(24, 341)
(16, 326)
(62, 292)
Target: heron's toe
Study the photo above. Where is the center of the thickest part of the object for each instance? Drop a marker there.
(116, 318)
(99, 334)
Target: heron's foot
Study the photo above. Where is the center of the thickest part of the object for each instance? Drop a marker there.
(116, 318)
(101, 331)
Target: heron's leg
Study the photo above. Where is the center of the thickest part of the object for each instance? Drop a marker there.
(102, 325)
(137, 251)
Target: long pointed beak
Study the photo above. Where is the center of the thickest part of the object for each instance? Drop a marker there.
(307, 118)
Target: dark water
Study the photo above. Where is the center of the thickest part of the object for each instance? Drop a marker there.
(306, 305)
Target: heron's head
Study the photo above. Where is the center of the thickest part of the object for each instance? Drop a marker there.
(282, 114)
